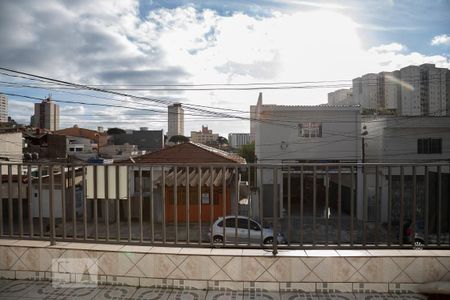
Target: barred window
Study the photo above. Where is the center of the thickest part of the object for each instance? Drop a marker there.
(429, 146)
(310, 129)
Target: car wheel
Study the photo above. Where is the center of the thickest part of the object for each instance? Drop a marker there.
(218, 239)
(418, 244)
(268, 240)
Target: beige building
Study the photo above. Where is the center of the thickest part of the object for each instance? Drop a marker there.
(3, 108)
(175, 119)
(46, 115)
(204, 136)
(11, 146)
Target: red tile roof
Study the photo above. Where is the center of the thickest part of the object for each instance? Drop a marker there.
(189, 153)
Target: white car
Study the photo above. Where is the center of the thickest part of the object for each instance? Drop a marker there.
(247, 231)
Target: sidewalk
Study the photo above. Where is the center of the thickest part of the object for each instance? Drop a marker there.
(28, 290)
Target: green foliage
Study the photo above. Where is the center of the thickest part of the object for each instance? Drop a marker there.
(177, 139)
(248, 152)
(222, 141)
(115, 130)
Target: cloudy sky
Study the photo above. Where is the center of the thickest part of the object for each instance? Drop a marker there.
(131, 43)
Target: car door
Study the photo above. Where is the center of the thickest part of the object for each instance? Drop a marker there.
(243, 232)
(255, 232)
(230, 230)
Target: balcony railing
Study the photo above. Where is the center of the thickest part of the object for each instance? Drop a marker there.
(291, 206)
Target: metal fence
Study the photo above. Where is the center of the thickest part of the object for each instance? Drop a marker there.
(293, 206)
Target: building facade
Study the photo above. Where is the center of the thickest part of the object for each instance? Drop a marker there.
(411, 91)
(341, 97)
(11, 147)
(46, 115)
(289, 135)
(204, 136)
(175, 118)
(3, 108)
(237, 140)
(406, 139)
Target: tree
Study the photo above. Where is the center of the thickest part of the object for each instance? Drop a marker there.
(115, 130)
(222, 141)
(177, 139)
(248, 152)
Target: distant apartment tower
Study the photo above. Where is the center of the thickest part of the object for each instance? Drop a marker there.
(411, 91)
(237, 140)
(204, 136)
(369, 92)
(340, 97)
(175, 120)
(3, 108)
(46, 115)
(424, 90)
(389, 90)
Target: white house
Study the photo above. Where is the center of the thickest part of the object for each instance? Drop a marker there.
(288, 135)
(414, 140)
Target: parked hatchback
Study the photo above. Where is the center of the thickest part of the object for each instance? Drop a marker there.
(247, 231)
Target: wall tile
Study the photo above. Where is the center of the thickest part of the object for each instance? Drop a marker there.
(334, 287)
(297, 287)
(224, 285)
(370, 287)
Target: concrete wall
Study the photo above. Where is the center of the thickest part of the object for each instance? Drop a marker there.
(277, 135)
(395, 271)
(11, 146)
(395, 138)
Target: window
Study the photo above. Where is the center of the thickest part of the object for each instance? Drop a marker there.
(231, 222)
(310, 129)
(243, 223)
(429, 146)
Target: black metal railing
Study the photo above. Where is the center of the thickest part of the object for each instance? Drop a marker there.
(291, 206)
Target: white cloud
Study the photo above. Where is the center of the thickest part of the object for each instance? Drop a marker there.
(442, 39)
(110, 42)
(392, 47)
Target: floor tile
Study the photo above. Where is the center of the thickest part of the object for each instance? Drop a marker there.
(18, 288)
(43, 290)
(299, 296)
(4, 283)
(261, 295)
(115, 292)
(151, 293)
(187, 295)
(386, 296)
(224, 295)
(81, 293)
(337, 296)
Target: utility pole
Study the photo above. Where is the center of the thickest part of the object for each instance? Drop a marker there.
(363, 134)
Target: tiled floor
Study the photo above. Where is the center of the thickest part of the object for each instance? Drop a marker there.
(20, 289)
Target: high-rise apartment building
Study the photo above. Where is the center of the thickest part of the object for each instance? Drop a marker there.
(46, 115)
(3, 108)
(341, 97)
(175, 125)
(369, 91)
(424, 90)
(237, 140)
(410, 91)
(389, 90)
